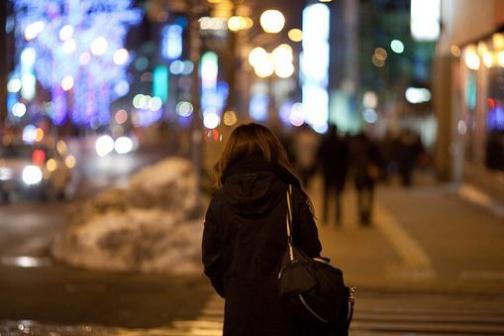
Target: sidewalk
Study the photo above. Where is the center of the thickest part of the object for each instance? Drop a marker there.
(424, 238)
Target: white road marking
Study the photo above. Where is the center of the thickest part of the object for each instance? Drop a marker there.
(411, 252)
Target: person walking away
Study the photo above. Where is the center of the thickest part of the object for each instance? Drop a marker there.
(244, 238)
(409, 148)
(365, 170)
(305, 145)
(333, 159)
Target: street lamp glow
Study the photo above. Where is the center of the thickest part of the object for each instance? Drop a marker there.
(397, 46)
(272, 21)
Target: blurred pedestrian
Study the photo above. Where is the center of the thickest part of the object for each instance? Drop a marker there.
(333, 159)
(305, 144)
(244, 238)
(365, 165)
(408, 150)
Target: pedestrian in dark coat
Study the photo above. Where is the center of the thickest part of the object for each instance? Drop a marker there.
(365, 163)
(245, 239)
(333, 159)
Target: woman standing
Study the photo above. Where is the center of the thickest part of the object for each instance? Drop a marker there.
(244, 239)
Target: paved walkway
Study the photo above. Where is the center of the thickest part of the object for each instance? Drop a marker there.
(426, 237)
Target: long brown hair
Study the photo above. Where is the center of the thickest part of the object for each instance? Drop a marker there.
(246, 140)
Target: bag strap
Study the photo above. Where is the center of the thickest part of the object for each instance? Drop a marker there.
(288, 222)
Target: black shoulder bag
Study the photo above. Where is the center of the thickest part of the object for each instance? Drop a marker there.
(311, 289)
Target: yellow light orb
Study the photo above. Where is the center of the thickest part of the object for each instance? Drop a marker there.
(70, 161)
(471, 58)
(500, 58)
(230, 118)
(295, 35)
(51, 165)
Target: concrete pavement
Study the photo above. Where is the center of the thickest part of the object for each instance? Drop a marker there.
(426, 237)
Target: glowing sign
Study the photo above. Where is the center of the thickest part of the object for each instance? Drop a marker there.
(425, 18)
(315, 65)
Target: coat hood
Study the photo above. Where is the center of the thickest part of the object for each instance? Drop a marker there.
(253, 187)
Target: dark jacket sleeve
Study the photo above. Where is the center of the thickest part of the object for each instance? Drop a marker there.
(305, 230)
(212, 249)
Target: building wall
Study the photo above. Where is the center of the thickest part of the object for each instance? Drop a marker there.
(465, 21)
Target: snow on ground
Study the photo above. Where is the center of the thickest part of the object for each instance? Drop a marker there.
(152, 225)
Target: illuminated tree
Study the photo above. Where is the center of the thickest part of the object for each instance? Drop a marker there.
(74, 49)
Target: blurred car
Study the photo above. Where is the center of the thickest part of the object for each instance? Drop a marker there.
(35, 170)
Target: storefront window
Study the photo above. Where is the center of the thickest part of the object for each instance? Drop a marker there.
(494, 151)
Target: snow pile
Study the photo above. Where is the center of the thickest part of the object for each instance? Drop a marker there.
(153, 225)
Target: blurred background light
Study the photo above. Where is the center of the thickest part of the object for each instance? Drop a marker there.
(296, 116)
(33, 30)
(418, 95)
(211, 120)
(66, 32)
(177, 67)
(295, 35)
(315, 65)
(370, 116)
(104, 145)
(425, 19)
(29, 133)
(172, 42)
(69, 46)
(67, 83)
(370, 100)
(14, 85)
(397, 46)
(122, 88)
(257, 55)
(471, 58)
(498, 41)
(123, 145)
(19, 110)
(272, 21)
(32, 175)
(99, 46)
(121, 117)
(184, 109)
(230, 118)
(209, 70)
(121, 56)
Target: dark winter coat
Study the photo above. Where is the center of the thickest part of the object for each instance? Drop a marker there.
(244, 241)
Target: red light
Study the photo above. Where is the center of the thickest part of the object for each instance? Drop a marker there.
(38, 156)
(215, 135)
(492, 103)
